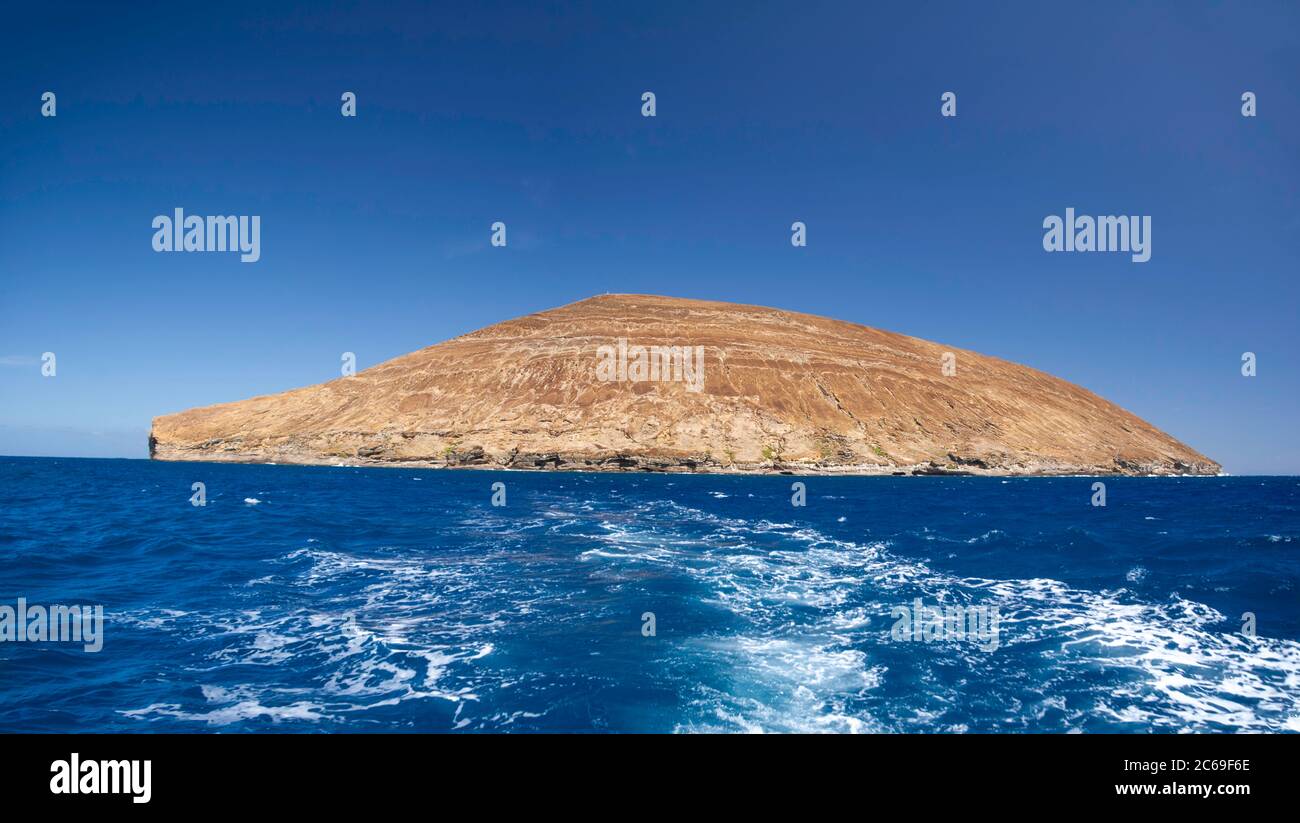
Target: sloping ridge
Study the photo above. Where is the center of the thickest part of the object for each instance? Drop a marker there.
(781, 391)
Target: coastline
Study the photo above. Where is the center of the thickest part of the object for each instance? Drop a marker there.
(618, 463)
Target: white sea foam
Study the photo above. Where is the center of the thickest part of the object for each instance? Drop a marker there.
(805, 657)
(385, 645)
(798, 635)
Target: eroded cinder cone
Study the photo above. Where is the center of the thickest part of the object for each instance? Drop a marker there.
(781, 391)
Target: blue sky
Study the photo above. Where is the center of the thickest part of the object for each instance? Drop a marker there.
(375, 230)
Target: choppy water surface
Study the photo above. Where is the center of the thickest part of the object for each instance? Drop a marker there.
(342, 599)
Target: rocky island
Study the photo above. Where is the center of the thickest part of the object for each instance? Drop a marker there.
(639, 382)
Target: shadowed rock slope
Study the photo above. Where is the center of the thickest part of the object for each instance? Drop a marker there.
(781, 392)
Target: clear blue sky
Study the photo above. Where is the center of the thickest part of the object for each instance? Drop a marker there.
(375, 230)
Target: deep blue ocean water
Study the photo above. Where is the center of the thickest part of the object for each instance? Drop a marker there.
(313, 599)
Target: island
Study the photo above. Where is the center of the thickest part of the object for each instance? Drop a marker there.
(625, 382)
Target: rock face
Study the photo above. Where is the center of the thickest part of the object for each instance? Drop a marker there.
(780, 392)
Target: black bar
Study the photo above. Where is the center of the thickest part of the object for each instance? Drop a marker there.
(1032, 773)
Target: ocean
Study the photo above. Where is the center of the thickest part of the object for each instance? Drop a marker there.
(313, 599)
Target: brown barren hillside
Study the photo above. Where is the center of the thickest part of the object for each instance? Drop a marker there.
(780, 391)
